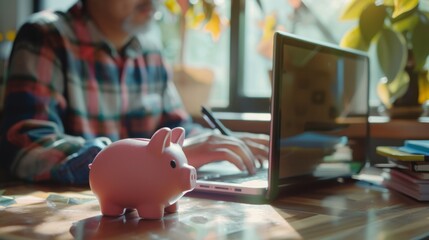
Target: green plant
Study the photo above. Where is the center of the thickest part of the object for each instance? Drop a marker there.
(399, 29)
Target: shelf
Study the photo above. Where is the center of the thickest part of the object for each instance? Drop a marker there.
(380, 127)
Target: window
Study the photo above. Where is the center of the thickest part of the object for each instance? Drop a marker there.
(55, 4)
(226, 62)
(196, 41)
(311, 19)
(248, 42)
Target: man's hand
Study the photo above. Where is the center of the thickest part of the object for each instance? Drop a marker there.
(243, 150)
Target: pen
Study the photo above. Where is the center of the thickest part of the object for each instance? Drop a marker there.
(214, 122)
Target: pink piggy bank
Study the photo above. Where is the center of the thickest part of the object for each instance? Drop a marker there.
(149, 175)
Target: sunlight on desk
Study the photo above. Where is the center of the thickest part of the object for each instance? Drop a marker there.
(347, 210)
(74, 213)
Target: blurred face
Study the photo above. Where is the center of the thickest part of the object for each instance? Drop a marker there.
(140, 19)
(128, 16)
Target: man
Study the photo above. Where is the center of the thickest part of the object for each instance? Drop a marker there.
(81, 79)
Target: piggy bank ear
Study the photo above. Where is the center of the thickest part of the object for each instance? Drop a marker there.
(160, 140)
(178, 135)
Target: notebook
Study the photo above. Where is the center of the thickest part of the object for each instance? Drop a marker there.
(319, 102)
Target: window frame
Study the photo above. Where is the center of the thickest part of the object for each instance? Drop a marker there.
(37, 5)
(237, 101)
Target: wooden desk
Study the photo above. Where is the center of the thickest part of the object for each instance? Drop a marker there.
(350, 210)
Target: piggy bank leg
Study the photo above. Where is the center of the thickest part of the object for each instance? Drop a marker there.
(151, 211)
(172, 208)
(109, 209)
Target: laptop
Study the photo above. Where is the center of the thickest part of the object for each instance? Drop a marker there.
(319, 107)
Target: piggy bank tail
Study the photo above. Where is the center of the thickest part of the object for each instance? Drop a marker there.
(89, 166)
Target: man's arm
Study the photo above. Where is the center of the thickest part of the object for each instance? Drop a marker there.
(34, 145)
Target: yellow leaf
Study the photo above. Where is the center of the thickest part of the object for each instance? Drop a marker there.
(172, 6)
(10, 35)
(423, 87)
(353, 10)
(406, 24)
(383, 93)
(353, 39)
(389, 91)
(268, 27)
(215, 25)
(399, 86)
(194, 20)
(388, 3)
(403, 6)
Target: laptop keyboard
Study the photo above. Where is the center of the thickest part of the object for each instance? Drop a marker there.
(261, 174)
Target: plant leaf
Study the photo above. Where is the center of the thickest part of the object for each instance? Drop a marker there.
(420, 43)
(383, 92)
(215, 25)
(173, 6)
(423, 87)
(399, 86)
(353, 39)
(371, 21)
(193, 19)
(391, 53)
(353, 10)
(389, 3)
(406, 24)
(404, 6)
(388, 92)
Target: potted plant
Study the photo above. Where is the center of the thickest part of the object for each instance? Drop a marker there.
(399, 29)
(194, 83)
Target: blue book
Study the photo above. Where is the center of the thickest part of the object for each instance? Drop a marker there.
(416, 147)
(313, 140)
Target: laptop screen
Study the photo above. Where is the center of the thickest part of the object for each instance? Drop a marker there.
(319, 110)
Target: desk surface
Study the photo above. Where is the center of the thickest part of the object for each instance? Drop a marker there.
(350, 210)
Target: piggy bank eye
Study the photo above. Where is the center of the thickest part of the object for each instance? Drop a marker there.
(173, 164)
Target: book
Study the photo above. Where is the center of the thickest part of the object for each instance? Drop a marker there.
(416, 147)
(407, 169)
(411, 172)
(402, 182)
(397, 153)
(412, 166)
(416, 175)
(422, 145)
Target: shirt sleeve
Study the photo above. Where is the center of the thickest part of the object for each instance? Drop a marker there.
(174, 113)
(33, 141)
(75, 169)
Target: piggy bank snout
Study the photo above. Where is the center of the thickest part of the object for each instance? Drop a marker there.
(190, 177)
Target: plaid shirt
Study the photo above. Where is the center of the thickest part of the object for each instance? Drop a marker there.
(67, 87)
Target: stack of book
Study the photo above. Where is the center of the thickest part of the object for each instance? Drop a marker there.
(407, 168)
